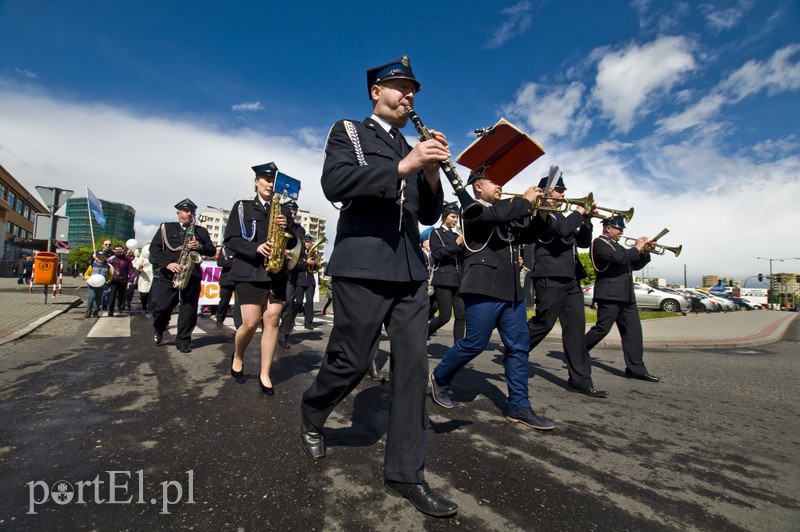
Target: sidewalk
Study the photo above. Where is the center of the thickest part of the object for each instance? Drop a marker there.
(21, 312)
(721, 329)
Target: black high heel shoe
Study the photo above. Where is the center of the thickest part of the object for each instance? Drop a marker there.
(269, 390)
(238, 375)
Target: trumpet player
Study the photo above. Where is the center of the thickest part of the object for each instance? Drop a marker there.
(165, 255)
(557, 274)
(493, 297)
(288, 314)
(613, 294)
(306, 285)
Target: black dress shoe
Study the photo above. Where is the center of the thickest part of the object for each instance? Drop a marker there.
(157, 336)
(184, 348)
(423, 497)
(374, 372)
(285, 345)
(641, 376)
(590, 392)
(269, 390)
(311, 438)
(236, 374)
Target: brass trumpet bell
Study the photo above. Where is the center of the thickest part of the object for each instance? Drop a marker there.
(655, 247)
(563, 204)
(626, 215)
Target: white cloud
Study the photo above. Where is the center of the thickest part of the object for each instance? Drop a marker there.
(720, 17)
(26, 73)
(247, 106)
(776, 74)
(551, 111)
(628, 79)
(148, 162)
(519, 21)
(697, 114)
(725, 210)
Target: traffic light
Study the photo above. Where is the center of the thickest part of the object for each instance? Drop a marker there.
(760, 278)
(797, 278)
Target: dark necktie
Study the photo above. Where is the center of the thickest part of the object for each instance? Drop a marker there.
(398, 139)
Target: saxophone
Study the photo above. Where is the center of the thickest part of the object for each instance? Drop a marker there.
(278, 237)
(313, 254)
(187, 259)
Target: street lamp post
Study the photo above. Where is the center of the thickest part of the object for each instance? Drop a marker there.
(771, 285)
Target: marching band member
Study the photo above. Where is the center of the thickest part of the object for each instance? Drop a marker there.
(387, 189)
(260, 294)
(557, 273)
(447, 256)
(288, 314)
(165, 255)
(493, 297)
(613, 294)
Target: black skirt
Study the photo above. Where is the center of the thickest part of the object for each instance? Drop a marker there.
(260, 293)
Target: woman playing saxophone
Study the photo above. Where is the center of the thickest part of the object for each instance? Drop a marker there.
(260, 292)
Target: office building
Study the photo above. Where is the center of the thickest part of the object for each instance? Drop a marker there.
(18, 209)
(118, 224)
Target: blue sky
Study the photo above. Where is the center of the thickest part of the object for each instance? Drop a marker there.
(687, 111)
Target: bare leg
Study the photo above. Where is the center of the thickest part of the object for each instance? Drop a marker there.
(269, 338)
(251, 317)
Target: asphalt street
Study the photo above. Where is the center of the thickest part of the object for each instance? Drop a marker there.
(94, 412)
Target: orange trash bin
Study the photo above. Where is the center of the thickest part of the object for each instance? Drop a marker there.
(45, 268)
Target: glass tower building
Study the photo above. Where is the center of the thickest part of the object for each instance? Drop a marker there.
(119, 222)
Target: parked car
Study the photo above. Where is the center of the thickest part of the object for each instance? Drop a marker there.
(746, 303)
(729, 297)
(698, 304)
(648, 297)
(724, 304)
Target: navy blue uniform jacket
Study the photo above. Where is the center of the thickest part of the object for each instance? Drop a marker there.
(447, 256)
(248, 264)
(494, 269)
(370, 244)
(614, 265)
(161, 256)
(556, 254)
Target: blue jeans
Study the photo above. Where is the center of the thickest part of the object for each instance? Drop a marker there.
(94, 299)
(484, 314)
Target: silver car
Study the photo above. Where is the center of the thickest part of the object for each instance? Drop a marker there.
(648, 297)
(724, 304)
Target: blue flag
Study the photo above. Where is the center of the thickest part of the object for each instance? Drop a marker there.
(96, 208)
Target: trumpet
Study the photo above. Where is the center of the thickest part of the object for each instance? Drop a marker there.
(626, 215)
(563, 204)
(654, 247)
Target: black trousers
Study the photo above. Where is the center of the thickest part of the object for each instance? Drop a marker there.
(449, 303)
(304, 300)
(187, 298)
(225, 294)
(287, 314)
(562, 298)
(362, 307)
(116, 297)
(626, 316)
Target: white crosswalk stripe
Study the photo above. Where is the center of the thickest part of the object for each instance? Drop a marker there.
(116, 327)
(120, 326)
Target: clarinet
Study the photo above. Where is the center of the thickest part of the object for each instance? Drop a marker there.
(470, 208)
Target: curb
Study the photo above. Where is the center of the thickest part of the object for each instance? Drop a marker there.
(16, 335)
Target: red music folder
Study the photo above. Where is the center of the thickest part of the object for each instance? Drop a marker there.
(501, 152)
